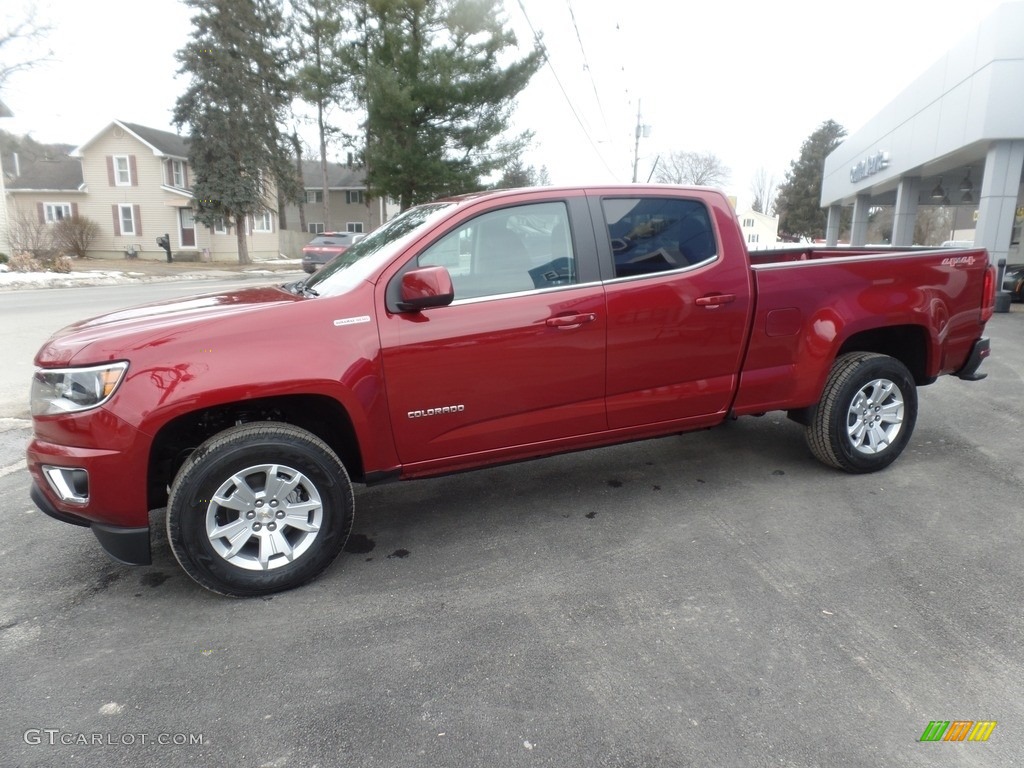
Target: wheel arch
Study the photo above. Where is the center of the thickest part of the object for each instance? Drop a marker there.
(910, 344)
(320, 415)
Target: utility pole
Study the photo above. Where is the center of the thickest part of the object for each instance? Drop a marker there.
(641, 130)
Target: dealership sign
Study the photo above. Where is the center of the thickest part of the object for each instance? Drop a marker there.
(869, 166)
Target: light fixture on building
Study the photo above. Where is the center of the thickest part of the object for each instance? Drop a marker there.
(966, 185)
(938, 193)
(945, 200)
(967, 198)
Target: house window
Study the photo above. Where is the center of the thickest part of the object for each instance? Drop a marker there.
(314, 196)
(354, 226)
(220, 227)
(353, 196)
(122, 171)
(314, 227)
(54, 212)
(753, 238)
(748, 222)
(263, 222)
(178, 173)
(126, 216)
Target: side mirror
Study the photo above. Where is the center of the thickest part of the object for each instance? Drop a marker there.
(426, 287)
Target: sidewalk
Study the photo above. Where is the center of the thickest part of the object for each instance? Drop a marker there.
(114, 271)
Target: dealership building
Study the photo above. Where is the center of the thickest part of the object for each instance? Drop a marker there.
(951, 144)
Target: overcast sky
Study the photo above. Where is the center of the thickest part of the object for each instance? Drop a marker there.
(747, 80)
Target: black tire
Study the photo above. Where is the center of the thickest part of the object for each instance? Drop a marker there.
(866, 415)
(251, 496)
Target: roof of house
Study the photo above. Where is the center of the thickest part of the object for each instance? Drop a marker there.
(339, 175)
(50, 174)
(168, 143)
(163, 143)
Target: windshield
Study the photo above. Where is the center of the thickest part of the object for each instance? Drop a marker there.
(361, 259)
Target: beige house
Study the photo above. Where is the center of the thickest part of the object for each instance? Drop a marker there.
(349, 208)
(138, 188)
(760, 231)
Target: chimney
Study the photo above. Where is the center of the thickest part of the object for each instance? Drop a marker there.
(350, 159)
(15, 167)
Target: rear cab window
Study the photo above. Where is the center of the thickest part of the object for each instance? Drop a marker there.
(649, 235)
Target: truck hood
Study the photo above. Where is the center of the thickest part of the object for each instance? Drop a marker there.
(117, 334)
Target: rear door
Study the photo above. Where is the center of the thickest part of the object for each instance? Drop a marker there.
(678, 309)
(518, 359)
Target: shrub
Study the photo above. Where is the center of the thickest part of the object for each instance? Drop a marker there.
(25, 262)
(74, 235)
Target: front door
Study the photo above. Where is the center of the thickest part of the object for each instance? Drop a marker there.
(188, 228)
(517, 360)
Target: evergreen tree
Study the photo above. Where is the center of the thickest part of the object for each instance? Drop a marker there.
(324, 74)
(798, 202)
(437, 100)
(238, 96)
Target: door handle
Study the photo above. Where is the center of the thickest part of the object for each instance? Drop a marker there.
(570, 321)
(716, 300)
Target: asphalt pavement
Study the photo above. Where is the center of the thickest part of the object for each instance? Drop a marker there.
(711, 599)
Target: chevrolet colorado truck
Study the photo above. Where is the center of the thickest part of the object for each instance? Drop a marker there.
(473, 331)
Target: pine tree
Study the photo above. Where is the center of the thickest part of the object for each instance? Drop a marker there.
(239, 94)
(436, 98)
(324, 75)
(798, 202)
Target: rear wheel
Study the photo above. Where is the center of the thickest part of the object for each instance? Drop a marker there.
(866, 415)
(259, 508)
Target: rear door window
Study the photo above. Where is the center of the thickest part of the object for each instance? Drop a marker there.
(656, 234)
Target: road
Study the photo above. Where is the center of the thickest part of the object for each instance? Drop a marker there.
(29, 317)
(714, 599)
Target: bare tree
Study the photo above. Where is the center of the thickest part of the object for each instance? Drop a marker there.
(762, 188)
(704, 169)
(19, 37)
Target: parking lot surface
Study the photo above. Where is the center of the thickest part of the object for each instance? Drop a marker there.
(716, 598)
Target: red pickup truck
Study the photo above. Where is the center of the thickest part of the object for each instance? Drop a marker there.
(469, 332)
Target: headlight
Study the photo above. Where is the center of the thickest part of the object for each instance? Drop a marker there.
(66, 390)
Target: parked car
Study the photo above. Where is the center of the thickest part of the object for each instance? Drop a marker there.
(1013, 281)
(325, 247)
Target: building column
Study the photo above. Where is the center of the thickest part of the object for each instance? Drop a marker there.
(1000, 186)
(905, 214)
(859, 228)
(998, 203)
(835, 216)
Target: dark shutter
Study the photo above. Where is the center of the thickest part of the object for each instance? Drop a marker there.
(74, 210)
(133, 171)
(137, 216)
(110, 170)
(42, 213)
(184, 173)
(169, 173)
(117, 220)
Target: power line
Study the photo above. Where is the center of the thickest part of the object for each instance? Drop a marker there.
(586, 66)
(565, 95)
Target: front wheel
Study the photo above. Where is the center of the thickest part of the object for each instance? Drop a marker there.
(866, 414)
(259, 508)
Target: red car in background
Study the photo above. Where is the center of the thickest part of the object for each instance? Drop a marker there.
(325, 247)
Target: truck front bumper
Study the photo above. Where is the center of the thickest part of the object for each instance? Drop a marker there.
(125, 545)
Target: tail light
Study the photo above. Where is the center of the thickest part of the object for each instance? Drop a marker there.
(988, 296)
